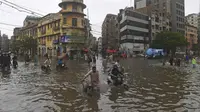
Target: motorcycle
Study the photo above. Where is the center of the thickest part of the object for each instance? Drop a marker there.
(119, 80)
(61, 66)
(46, 68)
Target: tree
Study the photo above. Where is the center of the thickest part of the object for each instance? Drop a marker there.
(29, 44)
(26, 44)
(16, 46)
(169, 41)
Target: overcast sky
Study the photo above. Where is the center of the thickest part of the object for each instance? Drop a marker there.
(97, 11)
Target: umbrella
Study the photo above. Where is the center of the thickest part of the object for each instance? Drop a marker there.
(149, 52)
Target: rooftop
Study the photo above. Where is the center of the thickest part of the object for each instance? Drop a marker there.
(32, 18)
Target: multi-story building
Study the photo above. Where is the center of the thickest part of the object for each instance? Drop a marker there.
(110, 32)
(191, 35)
(192, 19)
(0, 40)
(65, 30)
(178, 16)
(16, 33)
(5, 43)
(49, 33)
(165, 15)
(198, 29)
(73, 33)
(28, 31)
(93, 43)
(89, 35)
(29, 20)
(134, 30)
(100, 44)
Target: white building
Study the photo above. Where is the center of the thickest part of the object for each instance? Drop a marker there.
(192, 19)
(99, 44)
(134, 30)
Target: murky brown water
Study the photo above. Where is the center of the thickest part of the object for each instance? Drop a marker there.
(151, 89)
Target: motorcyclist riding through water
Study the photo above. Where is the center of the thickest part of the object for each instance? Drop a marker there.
(47, 64)
(94, 77)
(115, 74)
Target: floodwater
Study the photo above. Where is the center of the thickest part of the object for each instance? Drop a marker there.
(152, 89)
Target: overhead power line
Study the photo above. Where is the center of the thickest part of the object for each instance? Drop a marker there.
(15, 7)
(23, 8)
(19, 8)
(9, 24)
(6, 29)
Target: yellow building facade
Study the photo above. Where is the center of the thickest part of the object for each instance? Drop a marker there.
(191, 35)
(73, 24)
(48, 31)
(65, 30)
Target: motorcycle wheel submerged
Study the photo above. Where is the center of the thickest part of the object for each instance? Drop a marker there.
(45, 69)
(63, 66)
(118, 82)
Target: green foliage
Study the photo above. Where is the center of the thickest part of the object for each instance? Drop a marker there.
(29, 43)
(25, 44)
(195, 47)
(16, 45)
(169, 40)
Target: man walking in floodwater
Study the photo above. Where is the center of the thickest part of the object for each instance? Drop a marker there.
(194, 62)
(94, 76)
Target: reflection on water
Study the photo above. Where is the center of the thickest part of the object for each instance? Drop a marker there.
(27, 89)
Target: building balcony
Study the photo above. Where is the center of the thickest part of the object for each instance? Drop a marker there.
(43, 32)
(56, 29)
(73, 27)
(72, 12)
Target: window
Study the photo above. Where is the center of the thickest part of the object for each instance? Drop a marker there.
(74, 7)
(64, 20)
(82, 22)
(65, 7)
(164, 4)
(74, 21)
(153, 26)
(133, 23)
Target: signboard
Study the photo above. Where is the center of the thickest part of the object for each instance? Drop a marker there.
(56, 41)
(64, 39)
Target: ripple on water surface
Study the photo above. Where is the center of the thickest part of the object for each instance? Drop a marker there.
(27, 89)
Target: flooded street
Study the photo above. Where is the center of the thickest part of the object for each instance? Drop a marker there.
(152, 88)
